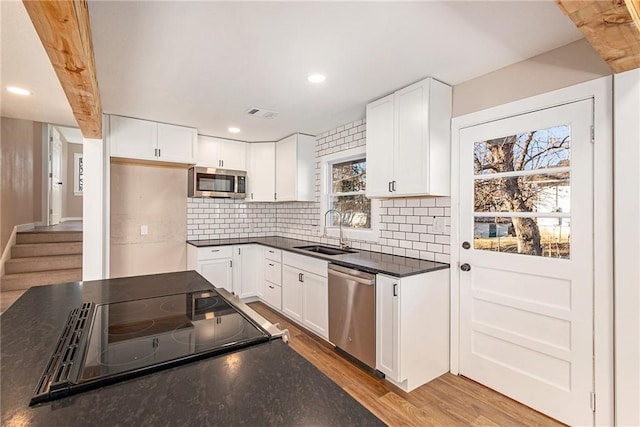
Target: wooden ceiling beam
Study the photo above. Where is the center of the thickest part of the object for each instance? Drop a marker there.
(63, 28)
(611, 28)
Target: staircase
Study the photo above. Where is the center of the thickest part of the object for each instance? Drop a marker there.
(43, 258)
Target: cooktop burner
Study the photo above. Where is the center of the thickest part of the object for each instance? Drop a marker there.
(106, 343)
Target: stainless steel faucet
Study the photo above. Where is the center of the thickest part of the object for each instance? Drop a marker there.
(343, 244)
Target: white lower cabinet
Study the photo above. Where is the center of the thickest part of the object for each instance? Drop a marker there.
(273, 295)
(305, 293)
(412, 328)
(292, 293)
(217, 271)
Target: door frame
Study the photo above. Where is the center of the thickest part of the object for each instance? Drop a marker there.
(601, 91)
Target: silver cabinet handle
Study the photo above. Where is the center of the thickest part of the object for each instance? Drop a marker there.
(271, 265)
(393, 185)
(395, 289)
(272, 252)
(215, 250)
(271, 287)
(301, 277)
(390, 190)
(231, 264)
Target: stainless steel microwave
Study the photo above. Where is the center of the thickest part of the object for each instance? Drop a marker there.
(214, 182)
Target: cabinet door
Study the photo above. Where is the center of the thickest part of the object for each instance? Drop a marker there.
(316, 303)
(380, 140)
(286, 169)
(133, 138)
(387, 326)
(209, 152)
(251, 265)
(292, 293)
(261, 172)
(411, 150)
(218, 272)
(233, 155)
(176, 143)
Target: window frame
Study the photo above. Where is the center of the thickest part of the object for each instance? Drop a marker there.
(326, 163)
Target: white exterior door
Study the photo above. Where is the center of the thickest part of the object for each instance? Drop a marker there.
(56, 179)
(526, 260)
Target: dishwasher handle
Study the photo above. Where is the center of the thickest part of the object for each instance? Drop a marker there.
(356, 279)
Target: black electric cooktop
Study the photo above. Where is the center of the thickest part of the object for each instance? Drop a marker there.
(106, 343)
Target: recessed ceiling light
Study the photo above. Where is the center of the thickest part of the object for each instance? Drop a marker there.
(316, 78)
(234, 130)
(18, 90)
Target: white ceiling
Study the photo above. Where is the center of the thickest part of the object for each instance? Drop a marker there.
(25, 64)
(203, 64)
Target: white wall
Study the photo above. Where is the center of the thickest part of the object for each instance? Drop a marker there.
(627, 246)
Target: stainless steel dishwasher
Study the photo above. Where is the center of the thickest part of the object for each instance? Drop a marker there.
(352, 312)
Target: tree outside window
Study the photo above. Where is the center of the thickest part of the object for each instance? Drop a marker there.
(347, 185)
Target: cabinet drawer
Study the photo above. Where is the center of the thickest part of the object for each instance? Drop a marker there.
(306, 263)
(273, 295)
(273, 254)
(273, 272)
(214, 252)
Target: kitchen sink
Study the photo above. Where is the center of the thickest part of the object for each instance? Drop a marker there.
(325, 250)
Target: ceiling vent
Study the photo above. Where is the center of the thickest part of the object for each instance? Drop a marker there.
(261, 112)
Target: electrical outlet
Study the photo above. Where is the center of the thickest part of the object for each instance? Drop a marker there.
(144, 230)
(438, 224)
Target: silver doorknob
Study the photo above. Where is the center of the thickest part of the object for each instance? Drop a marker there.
(465, 267)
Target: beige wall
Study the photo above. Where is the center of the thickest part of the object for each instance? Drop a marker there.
(72, 205)
(154, 196)
(574, 63)
(21, 170)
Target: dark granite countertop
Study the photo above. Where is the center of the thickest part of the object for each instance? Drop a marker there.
(268, 384)
(372, 262)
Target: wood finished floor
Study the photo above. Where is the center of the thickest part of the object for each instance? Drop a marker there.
(449, 400)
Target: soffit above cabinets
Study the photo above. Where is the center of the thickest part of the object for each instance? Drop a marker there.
(203, 64)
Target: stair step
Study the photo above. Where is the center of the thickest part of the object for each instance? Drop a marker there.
(43, 263)
(48, 236)
(46, 249)
(14, 282)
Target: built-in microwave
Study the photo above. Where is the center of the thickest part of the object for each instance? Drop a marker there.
(214, 182)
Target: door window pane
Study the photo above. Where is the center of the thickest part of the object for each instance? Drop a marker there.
(525, 193)
(540, 149)
(547, 237)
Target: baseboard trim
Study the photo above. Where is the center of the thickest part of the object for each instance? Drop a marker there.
(6, 252)
(72, 218)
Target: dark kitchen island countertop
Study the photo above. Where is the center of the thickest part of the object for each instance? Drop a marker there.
(268, 384)
(371, 262)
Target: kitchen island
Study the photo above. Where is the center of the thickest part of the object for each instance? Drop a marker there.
(268, 384)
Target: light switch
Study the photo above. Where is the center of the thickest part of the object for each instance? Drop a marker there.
(144, 230)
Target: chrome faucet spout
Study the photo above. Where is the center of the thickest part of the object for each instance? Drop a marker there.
(324, 234)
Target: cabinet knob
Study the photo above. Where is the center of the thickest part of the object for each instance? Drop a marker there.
(466, 245)
(465, 267)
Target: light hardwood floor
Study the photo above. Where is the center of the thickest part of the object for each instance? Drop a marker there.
(449, 400)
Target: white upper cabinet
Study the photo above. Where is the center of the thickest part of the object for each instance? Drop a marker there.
(261, 172)
(408, 142)
(295, 168)
(221, 153)
(145, 140)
